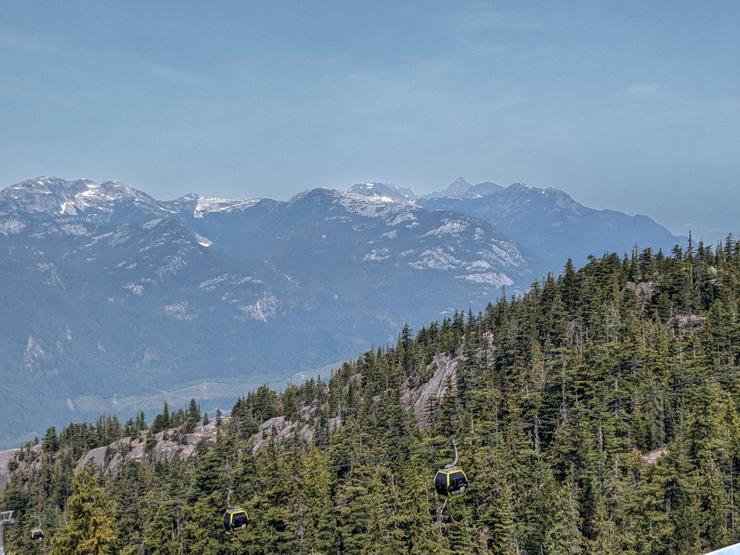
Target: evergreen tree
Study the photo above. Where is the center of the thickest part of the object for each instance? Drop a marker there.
(89, 527)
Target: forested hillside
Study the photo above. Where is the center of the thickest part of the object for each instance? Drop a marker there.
(598, 413)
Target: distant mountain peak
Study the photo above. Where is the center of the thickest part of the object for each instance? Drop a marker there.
(315, 194)
(462, 188)
(458, 187)
(558, 197)
(45, 184)
(482, 189)
(55, 195)
(389, 190)
(199, 205)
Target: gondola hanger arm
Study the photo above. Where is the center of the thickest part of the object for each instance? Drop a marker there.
(454, 446)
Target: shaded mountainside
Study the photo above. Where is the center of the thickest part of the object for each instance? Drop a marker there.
(550, 223)
(598, 413)
(113, 299)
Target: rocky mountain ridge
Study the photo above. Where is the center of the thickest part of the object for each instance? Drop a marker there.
(111, 294)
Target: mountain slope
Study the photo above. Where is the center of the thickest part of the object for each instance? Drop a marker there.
(598, 413)
(112, 296)
(550, 223)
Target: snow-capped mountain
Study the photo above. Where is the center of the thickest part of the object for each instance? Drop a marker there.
(110, 294)
(198, 206)
(52, 195)
(382, 190)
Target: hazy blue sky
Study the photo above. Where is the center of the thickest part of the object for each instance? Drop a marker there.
(627, 105)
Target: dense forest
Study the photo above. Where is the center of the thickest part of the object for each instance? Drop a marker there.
(598, 413)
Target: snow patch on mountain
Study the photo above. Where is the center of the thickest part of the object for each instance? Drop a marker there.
(263, 309)
(435, 259)
(489, 278)
(384, 191)
(448, 227)
(211, 284)
(151, 224)
(479, 265)
(136, 289)
(377, 255)
(76, 230)
(11, 226)
(209, 205)
(174, 264)
(203, 241)
(368, 207)
(505, 253)
(53, 278)
(180, 311)
(67, 208)
(401, 218)
(33, 354)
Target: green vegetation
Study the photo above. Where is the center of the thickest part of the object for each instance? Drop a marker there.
(596, 414)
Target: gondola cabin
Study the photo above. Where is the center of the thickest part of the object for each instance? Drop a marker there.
(451, 482)
(37, 534)
(235, 519)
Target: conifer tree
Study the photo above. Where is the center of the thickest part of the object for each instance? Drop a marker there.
(89, 527)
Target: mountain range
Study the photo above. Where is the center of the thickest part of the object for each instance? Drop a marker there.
(114, 300)
(547, 222)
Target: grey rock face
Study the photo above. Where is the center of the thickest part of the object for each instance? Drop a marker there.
(417, 399)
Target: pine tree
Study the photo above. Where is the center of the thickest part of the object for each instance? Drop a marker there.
(562, 535)
(89, 527)
(607, 540)
(312, 521)
(495, 503)
(160, 538)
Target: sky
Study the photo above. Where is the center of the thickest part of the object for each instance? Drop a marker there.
(633, 106)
